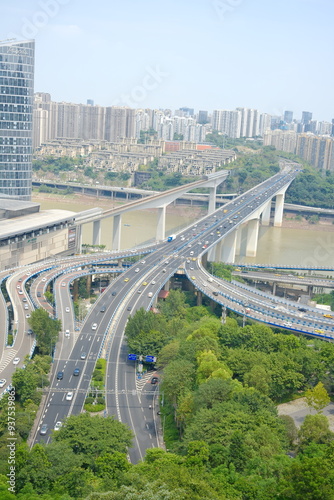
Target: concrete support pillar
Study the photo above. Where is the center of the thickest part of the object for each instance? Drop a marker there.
(229, 247)
(119, 262)
(266, 214)
(89, 283)
(238, 240)
(78, 243)
(199, 298)
(212, 199)
(274, 288)
(167, 286)
(252, 237)
(161, 224)
(218, 251)
(97, 232)
(116, 232)
(279, 210)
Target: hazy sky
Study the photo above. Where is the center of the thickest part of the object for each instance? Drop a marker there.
(273, 55)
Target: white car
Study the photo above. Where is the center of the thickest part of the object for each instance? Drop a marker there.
(63, 284)
(153, 282)
(143, 261)
(94, 326)
(137, 270)
(43, 279)
(16, 361)
(20, 292)
(57, 426)
(2, 382)
(69, 396)
(18, 286)
(67, 309)
(67, 333)
(27, 316)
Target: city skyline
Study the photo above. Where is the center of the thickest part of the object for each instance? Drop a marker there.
(220, 54)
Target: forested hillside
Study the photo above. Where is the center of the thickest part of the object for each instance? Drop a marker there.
(225, 440)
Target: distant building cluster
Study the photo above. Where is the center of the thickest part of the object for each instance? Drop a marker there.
(127, 155)
(318, 150)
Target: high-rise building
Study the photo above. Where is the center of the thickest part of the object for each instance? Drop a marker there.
(203, 117)
(306, 117)
(17, 60)
(288, 116)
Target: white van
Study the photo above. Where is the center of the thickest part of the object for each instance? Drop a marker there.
(150, 294)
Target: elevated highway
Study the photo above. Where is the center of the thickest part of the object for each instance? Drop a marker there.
(138, 287)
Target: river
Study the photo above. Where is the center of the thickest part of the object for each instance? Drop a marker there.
(276, 246)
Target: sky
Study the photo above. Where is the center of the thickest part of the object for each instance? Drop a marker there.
(203, 54)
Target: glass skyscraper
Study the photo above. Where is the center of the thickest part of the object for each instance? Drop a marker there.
(17, 60)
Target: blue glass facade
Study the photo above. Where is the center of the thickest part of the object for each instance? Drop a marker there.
(16, 113)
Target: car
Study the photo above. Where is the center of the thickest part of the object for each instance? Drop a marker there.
(215, 293)
(103, 309)
(153, 282)
(69, 396)
(210, 280)
(67, 333)
(193, 278)
(139, 291)
(83, 355)
(143, 262)
(60, 375)
(18, 286)
(26, 306)
(20, 292)
(2, 382)
(154, 380)
(129, 308)
(43, 279)
(150, 294)
(114, 294)
(20, 279)
(94, 326)
(67, 309)
(27, 316)
(317, 330)
(144, 283)
(204, 246)
(57, 426)
(24, 299)
(43, 430)
(287, 323)
(302, 309)
(30, 332)
(137, 270)
(28, 273)
(76, 372)
(191, 268)
(328, 316)
(39, 294)
(164, 270)
(126, 280)
(63, 284)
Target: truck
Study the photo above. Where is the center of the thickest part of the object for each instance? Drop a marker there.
(171, 237)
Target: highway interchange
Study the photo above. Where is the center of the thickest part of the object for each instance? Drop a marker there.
(128, 397)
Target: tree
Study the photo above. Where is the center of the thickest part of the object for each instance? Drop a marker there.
(315, 428)
(317, 397)
(45, 329)
(94, 436)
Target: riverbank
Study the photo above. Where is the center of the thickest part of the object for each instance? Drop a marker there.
(289, 222)
(92, 202)
(324, 224)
